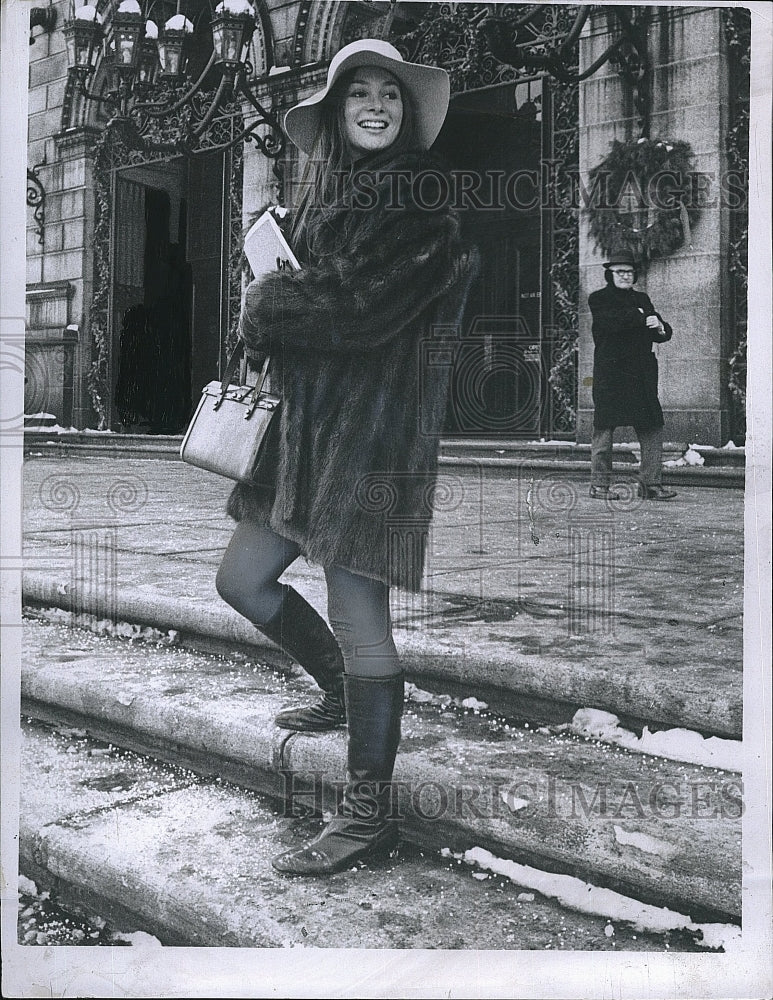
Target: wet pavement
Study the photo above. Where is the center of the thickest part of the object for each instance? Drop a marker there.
(634, 607)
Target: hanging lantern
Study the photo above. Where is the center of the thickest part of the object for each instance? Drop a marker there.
(174, 46)
(126, 30)
(147, 62)
(232, 28)
(82, 36)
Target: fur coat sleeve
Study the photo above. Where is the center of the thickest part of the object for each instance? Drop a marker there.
(381, 271)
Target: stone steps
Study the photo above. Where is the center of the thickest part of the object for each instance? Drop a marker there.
(159, 849)
(665, 832)
(722, 467)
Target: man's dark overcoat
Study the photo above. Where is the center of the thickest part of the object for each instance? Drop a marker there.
(625, 370)
(363, 391)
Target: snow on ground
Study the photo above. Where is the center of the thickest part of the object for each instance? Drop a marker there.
(422, 697)
(675, 744)
(583, 897)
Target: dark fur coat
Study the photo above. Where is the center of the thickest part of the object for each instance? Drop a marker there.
(363, 390)
(625, 371)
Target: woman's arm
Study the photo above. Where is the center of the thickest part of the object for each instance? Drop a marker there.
(357, 299)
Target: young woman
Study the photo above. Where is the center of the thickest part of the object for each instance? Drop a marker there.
(351, 474)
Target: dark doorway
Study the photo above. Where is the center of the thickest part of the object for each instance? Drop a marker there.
(167, 267)
(492, 139)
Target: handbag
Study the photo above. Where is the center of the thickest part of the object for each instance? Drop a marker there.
(229, 430)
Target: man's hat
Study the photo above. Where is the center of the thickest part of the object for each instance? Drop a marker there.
(429, 88)
(623, 257)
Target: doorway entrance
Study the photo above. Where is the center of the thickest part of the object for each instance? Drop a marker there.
(493, 140)
(169, 307)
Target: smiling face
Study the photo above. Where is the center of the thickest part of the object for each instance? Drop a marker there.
(372, 111)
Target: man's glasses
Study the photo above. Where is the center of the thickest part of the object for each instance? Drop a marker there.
(625, 273)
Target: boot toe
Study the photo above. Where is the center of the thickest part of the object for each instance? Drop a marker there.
(306, 861)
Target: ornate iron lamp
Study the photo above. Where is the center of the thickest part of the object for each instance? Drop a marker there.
(148, 90)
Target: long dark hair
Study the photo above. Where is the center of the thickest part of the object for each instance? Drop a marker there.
(327, 177)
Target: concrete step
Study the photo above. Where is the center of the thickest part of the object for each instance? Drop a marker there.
(157, 848)
(495, 650)
(667, 833)
(636, 611)
(722, 467)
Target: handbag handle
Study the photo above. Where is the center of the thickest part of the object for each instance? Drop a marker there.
(230, 369)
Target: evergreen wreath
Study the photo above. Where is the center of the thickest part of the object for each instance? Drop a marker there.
(643, 198)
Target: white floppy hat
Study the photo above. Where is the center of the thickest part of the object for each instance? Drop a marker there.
(428, 86)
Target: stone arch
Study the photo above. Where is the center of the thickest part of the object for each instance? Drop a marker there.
(323, 26)
(262, 44)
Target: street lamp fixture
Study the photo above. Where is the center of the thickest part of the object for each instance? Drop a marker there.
(149, 93)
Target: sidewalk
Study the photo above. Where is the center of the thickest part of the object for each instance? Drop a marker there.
(634, 607)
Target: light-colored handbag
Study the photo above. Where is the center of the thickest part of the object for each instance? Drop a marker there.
(229, 429)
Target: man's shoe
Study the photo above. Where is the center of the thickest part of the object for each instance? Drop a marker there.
(655, 493)
(603, 493)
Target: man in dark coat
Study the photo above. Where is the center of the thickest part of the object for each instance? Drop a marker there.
(625, 377)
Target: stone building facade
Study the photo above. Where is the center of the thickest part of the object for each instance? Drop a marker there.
(123, 230)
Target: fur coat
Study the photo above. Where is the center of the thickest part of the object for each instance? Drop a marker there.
(363, 390)
(625, 371)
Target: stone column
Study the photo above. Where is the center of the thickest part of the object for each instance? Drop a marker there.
(690, 288)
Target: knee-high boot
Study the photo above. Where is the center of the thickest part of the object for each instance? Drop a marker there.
(363, 826)
(303, 634)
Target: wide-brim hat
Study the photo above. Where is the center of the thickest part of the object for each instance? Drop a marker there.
(623, 257)
(428, 87)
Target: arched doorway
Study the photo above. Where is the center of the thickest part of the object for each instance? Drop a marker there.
(167, 252)
(167, 255)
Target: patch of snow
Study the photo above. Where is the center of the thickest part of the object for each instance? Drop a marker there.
(584, 897)
(690, 457)
(151, 29)
(88, 12)
(276, 70)
(105, 626)
(675, 744)
(641, 841)
(422, 697)
(512, 801)
(27, 886)
(235, 7)
(139, 939)
(525, 897)
(480, 876)
(129, 7)
(179, 22)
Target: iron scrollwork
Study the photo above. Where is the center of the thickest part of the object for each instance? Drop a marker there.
(36, 199)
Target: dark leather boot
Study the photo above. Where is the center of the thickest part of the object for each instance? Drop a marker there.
(304, 635)
(363, 826)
